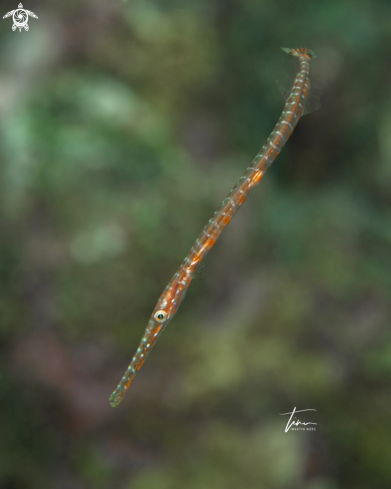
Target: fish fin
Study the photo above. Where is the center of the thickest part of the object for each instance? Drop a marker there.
(287, 80)
(199, 273)
(288, 77)
(183, 295)
(312, 102)
(300, 52)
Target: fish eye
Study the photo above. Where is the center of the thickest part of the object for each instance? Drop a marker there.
(160, 316)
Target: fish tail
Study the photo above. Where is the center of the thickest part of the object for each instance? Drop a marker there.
(300, 52)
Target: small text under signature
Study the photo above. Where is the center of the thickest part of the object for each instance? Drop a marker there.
(295, 422)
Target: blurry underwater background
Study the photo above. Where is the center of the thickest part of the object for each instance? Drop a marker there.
(123, 127)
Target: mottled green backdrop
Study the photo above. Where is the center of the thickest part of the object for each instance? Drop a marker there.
(123, 127)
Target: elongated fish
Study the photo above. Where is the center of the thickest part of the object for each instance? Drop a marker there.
(301, 98)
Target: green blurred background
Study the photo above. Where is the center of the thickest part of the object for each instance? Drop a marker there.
(123, 127)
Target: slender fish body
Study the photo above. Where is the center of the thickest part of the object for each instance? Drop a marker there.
(298, 103)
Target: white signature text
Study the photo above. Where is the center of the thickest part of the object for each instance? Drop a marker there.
(297, 423)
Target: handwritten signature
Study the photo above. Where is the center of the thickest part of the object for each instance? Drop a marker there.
(297, 422)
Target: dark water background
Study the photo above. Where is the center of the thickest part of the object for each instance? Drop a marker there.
(123, 127)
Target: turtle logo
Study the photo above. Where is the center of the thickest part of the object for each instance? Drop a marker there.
(20, 17)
